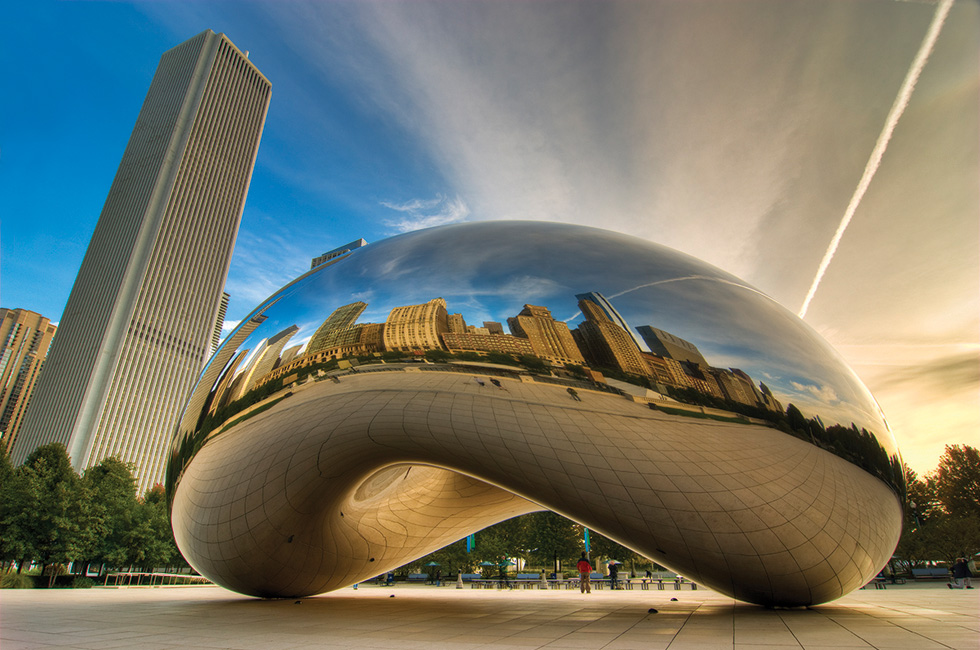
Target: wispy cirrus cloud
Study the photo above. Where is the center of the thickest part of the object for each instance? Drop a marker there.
(426, 213)
(824, 394)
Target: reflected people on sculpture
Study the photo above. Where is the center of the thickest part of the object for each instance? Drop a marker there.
(661, 337)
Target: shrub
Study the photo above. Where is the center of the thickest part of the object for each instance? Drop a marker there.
(82, 582)
(16, 581)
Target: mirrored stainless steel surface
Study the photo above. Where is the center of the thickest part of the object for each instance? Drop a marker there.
(419, 388)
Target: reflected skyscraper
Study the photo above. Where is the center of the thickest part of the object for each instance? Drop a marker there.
(667, 345)
(265, 359)
(417, 327)
(138, 324)
(342, 318)
(611, 313)
(549, 338)
(605, 343)
(219, 322)
(337, 252)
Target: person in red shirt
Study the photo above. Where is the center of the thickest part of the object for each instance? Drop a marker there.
(585, 574)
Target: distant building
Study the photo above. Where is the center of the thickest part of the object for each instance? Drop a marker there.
(202, 395)
(550, 339)
(289, 354)
(457, 324)
(337, 252)
(333, 328)
(493, 327)
(659, 367)
(24, 340)
(360, 339)
(414, 328)
(483, 343)
(770, 400)
(140, 320)
(605, 344)
(733, 388)
(263, 362)
(667, 345)
(611, 313)
(700, 379)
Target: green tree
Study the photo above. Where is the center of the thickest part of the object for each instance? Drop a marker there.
(533, 363)
(953, 537)
(497, 543)
(957, 481)
(452, 559)
(437, 356)
(112, 487)
(150, 541)
(14, 544)
(552, 539)
(56, 508)
(608, 549)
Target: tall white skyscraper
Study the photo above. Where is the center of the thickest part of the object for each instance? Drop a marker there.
(138, 324)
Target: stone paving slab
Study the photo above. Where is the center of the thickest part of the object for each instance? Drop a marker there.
(915, 616)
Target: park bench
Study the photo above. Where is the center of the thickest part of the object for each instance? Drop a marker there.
(931, 573)
(418, 577)
(530, 580)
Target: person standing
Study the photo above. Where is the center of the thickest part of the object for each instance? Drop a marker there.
(584, 574)
(961, 575)
(613, 575)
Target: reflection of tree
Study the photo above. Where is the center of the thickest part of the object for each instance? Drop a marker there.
(858, 446)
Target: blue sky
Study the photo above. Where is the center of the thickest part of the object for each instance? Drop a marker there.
(734, 131)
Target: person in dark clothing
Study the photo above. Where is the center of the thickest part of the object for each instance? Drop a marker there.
(613, 575)
(961, 575)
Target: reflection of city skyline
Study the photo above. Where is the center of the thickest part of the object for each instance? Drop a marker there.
(647, 316)
(604, 341)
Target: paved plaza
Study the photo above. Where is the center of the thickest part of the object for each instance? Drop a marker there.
(914, 616)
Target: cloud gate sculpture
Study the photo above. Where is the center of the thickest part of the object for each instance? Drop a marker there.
(408, 393)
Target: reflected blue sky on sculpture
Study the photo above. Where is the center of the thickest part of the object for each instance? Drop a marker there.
(528, 294)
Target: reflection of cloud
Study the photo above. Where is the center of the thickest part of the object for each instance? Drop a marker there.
(824, 394)
(426, 214)
(689, 277)
(229, 325)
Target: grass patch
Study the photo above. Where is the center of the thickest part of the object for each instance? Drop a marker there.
(16, 581)
(699, 415)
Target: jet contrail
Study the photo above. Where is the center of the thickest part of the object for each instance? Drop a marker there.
(901, 102)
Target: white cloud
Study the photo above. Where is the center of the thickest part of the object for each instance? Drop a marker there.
(823, 394)
(419, 213)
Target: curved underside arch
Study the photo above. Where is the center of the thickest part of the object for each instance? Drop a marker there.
(344, 481)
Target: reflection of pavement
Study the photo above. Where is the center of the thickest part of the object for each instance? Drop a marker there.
(437, 618)
(341, 482)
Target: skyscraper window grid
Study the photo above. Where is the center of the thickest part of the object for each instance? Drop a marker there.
(138, 324)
